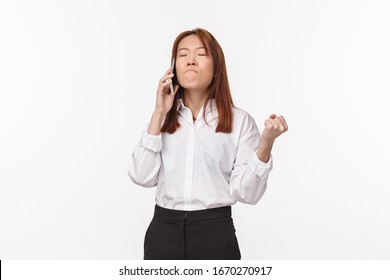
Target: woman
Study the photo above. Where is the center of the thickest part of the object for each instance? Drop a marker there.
(203, 154)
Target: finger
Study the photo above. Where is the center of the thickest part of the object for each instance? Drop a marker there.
(166, 77)
(166, 82)
(273, 123)
(164, 87)
(284, 122)
(169, 70)
(267, 123)
(279, 123)
(272, 116)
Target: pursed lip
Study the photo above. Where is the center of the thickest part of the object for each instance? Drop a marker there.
(191, 70)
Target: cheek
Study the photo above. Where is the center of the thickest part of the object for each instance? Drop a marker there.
(179, 69)
(210, 70)
(210, 67)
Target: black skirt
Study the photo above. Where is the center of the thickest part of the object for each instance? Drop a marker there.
(191, 235)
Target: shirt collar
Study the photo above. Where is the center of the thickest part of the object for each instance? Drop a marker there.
(211, 106)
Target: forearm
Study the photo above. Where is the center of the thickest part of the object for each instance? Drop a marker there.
(264, 150)
(145, 161)
(155, 123)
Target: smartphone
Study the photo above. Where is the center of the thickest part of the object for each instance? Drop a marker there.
(171, 85)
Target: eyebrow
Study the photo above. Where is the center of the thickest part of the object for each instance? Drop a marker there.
(195, 48)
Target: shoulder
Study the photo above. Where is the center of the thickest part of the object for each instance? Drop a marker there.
(244, 121)
(240, 113)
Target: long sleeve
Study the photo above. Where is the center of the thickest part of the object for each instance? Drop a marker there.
(145, 161)
(248, 180)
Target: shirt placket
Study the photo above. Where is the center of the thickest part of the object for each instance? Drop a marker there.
(189, 168)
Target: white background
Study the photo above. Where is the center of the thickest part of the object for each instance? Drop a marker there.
(77, 85)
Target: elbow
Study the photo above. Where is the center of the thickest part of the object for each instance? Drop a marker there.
(142, 177)
(247, 199)
(248, 194)
(141, 181)
(132, 176)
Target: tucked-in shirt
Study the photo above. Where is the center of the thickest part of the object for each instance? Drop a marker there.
(197, 168)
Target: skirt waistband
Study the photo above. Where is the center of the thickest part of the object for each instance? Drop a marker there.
(194, 215)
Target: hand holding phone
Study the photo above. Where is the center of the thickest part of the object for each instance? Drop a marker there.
(165, 93)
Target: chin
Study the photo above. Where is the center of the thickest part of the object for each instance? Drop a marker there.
(193, 86)
(190, 87)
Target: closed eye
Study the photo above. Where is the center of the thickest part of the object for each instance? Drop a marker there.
(198, 54)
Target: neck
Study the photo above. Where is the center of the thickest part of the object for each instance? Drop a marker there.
(194, 100)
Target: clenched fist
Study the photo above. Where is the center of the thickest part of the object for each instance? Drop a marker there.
(274, 127)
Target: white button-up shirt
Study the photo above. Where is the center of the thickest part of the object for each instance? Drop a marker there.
(196, 168)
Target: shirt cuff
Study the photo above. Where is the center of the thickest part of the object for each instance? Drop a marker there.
(260, 168)
(151, 142)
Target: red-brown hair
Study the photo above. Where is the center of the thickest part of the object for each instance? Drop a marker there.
(218, 88)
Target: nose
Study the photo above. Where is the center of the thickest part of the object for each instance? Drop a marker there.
(191, 61)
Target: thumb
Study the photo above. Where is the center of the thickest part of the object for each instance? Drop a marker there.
(272, 116)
